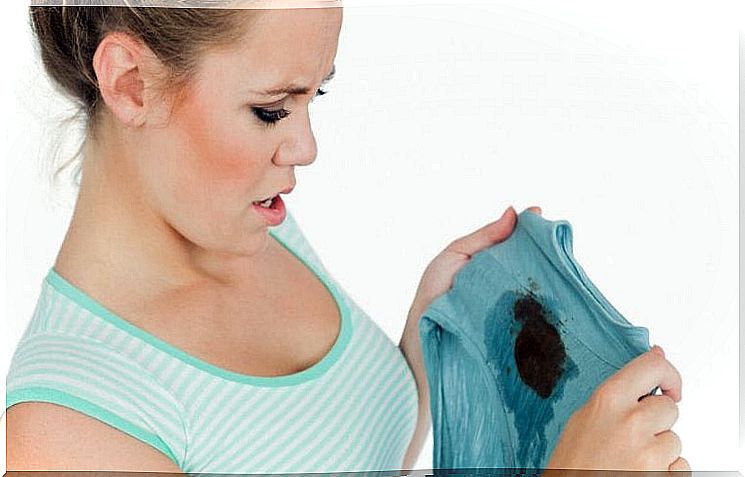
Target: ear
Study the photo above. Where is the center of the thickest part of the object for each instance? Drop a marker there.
(124, 67)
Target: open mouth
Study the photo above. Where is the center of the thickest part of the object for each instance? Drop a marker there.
(266, 203)
(272, 209)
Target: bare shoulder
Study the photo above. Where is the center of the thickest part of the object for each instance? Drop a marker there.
(44, 436)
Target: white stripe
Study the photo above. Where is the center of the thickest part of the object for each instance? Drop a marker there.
(336, 401)
(310, 393)
(129, 347)
(93, 328)
(62, 316)
(79, 323)
(207, 444)
(389, 436)
(370, 444)
(314, 401)
(173, 365)
(365, 390)
(195, 387)
(213, 396)
(231, 422)
(118, 339)
(342, 434)
(151, 358)
(410, 420)
(51, 309)
(279, 411)
(325, 410)
(73, 386)
(182, 379)
(53, 356)
(394, 457)
(141, 350)
(105, 331)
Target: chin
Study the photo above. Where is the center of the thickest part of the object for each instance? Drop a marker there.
(257, 244)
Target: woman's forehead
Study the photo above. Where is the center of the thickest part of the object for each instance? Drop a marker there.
(294, 24)
(280, 46)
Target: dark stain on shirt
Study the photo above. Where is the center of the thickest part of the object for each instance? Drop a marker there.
(539, 351)
(530, 376)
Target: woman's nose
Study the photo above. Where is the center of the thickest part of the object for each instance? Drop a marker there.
(299, 146)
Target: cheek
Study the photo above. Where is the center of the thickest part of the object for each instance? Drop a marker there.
(222, 151)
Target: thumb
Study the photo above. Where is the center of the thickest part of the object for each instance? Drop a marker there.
(488, 235)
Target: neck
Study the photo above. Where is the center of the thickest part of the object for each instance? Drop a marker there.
(116, 239)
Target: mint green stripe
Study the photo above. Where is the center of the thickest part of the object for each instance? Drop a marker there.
(317, 412)
(64, 399)
(32, 366)
(82, 299)
(395, 427)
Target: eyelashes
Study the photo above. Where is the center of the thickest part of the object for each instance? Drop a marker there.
(272, 116)
(320, 92)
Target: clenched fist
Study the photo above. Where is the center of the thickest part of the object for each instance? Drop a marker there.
(622, 428)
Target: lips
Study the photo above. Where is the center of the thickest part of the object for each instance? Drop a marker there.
(286, 190)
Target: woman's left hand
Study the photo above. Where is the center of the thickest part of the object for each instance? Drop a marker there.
(438, 276)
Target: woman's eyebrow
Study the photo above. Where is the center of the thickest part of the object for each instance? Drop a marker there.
(294, 89)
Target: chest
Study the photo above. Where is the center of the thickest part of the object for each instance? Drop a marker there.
(284, 320)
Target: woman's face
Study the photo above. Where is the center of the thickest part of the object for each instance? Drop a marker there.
(228, 143)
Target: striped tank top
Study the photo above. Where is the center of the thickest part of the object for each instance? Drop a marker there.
(354, 410)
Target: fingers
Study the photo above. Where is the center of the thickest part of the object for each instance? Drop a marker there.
(641, 374)
(657, 413)
(487, 235)
(668, 446)
(672, 384)
(680, 464)
(490, 234)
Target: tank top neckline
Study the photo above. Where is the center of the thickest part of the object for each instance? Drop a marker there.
(82, 299)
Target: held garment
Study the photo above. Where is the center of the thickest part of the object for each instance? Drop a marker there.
(517, 344)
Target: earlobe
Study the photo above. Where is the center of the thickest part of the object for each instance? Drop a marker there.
(118, 63)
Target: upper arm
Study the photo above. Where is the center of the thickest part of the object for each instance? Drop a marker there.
(74, 401)
(45, 436)
(411, 349)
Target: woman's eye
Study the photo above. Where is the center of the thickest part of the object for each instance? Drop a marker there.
(270, 116)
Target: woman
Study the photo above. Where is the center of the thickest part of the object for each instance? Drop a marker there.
(186, 324)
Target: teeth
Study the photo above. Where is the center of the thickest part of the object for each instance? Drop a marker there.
(267, 203)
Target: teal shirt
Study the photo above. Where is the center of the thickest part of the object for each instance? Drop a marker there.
(354, 410)
(517, 344)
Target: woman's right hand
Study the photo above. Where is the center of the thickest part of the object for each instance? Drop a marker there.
(615, 430)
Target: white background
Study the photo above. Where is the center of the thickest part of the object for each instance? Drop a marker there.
(620, 117)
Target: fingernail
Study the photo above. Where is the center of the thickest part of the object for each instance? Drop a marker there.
(507, 210)
(657, 349)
